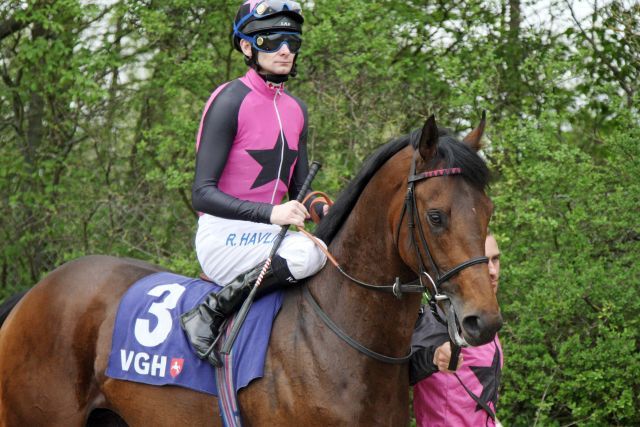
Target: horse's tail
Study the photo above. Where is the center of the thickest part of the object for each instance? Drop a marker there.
(8, 305)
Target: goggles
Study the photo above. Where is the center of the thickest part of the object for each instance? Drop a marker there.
(272, 42)
(266, 8)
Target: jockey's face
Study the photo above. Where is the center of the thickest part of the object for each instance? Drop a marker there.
(279, 62)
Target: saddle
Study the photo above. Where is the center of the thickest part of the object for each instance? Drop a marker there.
(170, 360)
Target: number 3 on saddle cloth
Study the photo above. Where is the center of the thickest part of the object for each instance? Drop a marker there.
(150, 347)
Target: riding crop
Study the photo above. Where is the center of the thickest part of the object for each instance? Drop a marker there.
(244, 310)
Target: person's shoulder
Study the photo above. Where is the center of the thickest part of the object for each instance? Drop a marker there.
(298, 100)
(230, 95)
(428, 328)
(426, 314)
(233, 89)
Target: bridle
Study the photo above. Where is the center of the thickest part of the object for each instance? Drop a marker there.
(410, 209)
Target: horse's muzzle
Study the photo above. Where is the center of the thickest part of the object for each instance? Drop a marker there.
(480, 329)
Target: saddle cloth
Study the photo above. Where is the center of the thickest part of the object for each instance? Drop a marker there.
(150, 347)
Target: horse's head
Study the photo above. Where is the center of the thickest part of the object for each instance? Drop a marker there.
(450, 212)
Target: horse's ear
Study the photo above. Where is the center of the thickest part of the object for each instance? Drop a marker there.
(429, 139)
(474, 137)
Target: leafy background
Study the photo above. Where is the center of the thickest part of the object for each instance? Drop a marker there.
(100, 102)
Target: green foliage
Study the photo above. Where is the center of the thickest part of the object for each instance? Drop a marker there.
(100, 103)
(570, 283)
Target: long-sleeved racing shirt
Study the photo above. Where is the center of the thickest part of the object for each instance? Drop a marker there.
(251, 149)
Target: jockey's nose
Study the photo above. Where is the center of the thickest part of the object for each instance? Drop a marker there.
(284, 49)
(493, 274)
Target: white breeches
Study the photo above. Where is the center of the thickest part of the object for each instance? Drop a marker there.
(227, 247)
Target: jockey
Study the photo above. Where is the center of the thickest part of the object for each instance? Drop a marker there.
(251, 151)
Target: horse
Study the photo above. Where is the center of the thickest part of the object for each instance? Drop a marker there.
(55, 343)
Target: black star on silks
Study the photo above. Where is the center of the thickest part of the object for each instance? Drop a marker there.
(489, 377)
(270, 160)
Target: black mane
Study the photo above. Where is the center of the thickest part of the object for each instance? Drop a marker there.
(451, 153)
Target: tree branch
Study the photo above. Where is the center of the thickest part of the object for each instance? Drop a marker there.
(11, 26)
(598, 53)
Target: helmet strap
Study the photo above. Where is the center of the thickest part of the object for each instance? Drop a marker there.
(253, 60)
(294, 67)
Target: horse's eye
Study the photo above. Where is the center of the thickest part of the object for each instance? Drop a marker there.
(435, 218)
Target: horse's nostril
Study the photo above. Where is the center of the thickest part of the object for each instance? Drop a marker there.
(481, 329)
(471, 325)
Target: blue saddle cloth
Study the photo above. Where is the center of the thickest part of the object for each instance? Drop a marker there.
(150, 347)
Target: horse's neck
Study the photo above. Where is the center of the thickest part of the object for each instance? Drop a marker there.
(342, 384)
(365, 248)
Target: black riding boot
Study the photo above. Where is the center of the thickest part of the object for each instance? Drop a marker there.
(202, 323)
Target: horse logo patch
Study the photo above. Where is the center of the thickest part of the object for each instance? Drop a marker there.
(176, 367)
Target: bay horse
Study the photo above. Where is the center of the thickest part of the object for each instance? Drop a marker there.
(55, 343)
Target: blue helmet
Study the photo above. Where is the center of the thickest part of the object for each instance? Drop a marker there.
(263, 16)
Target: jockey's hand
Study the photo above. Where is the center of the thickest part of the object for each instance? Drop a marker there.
(325, 209)
(290, 213)
(442, 356)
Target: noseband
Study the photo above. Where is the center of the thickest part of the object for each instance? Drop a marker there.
(410, 208)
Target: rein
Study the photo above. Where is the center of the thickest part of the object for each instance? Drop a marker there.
(346, 338)
(396, 289)
(415, 286)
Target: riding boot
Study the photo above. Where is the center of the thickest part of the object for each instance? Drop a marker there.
(202, 324)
